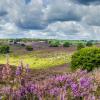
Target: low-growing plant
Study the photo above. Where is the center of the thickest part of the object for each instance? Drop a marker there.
(66, 44)
(4, 49)
(23, 45)
(29, 48)
(54, 43)
(89, 43)
(74, 86)
(80, 46)
(86, 58)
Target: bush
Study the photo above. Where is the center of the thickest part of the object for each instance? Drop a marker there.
(29, 48)
(66, 44)
(54, 43)
(4, 49)
(89, 43)
(80, 46)
(23, 45)
(49, 41)
(86, 58)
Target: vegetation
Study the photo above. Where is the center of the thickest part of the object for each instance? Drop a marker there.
(89, 43)
(29, 48)
(4, 49)
(66, 44)
(80, 46)
(27, 82)
(39, 59)
(54, 43)
(23, 45)
(74, 86)
(86, 58)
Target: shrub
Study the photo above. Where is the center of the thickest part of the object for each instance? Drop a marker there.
(23, 45)
(4, 49)
(86, 58)
(73, 86)
(80, 46)
(29, 48)
(89, 43)
(66, 44)
(49, 41)
(54, 43)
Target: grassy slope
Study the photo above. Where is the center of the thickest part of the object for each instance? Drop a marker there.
(38, 59)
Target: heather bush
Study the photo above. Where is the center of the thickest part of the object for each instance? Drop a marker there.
(73, 86)
(4, 49)
(62, 87)
(86, 58)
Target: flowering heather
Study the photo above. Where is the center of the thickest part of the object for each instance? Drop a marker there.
(27, 69)
(6, 71)
(72, 86)
(18, 71)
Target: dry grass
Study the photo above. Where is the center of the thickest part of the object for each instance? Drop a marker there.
(96, 74)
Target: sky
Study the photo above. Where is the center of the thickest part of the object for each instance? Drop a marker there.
(52, 19)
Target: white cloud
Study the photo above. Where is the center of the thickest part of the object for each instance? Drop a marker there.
(75, 30)
(92, 17)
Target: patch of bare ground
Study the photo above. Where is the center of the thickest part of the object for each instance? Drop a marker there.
(41, 74)
(98, 45)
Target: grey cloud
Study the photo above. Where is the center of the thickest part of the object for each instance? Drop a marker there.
(27, 1)
(73, 30)
(3, 13)
(70, 27)
(87, 2)
(26, 16)
(93, 15)
(62, 11)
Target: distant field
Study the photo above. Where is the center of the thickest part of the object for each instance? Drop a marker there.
(42, 56)
(39, 59)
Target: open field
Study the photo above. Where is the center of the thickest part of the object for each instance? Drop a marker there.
(42, 56)
(39, 58)
(49, 74)
(49, 49)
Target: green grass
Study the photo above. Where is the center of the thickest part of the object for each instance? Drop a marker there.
(38, 59)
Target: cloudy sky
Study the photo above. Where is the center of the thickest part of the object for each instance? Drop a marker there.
(60, 19)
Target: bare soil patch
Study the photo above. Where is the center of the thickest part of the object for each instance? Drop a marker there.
(41, 74)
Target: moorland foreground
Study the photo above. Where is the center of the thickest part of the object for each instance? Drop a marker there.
(45, 61)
